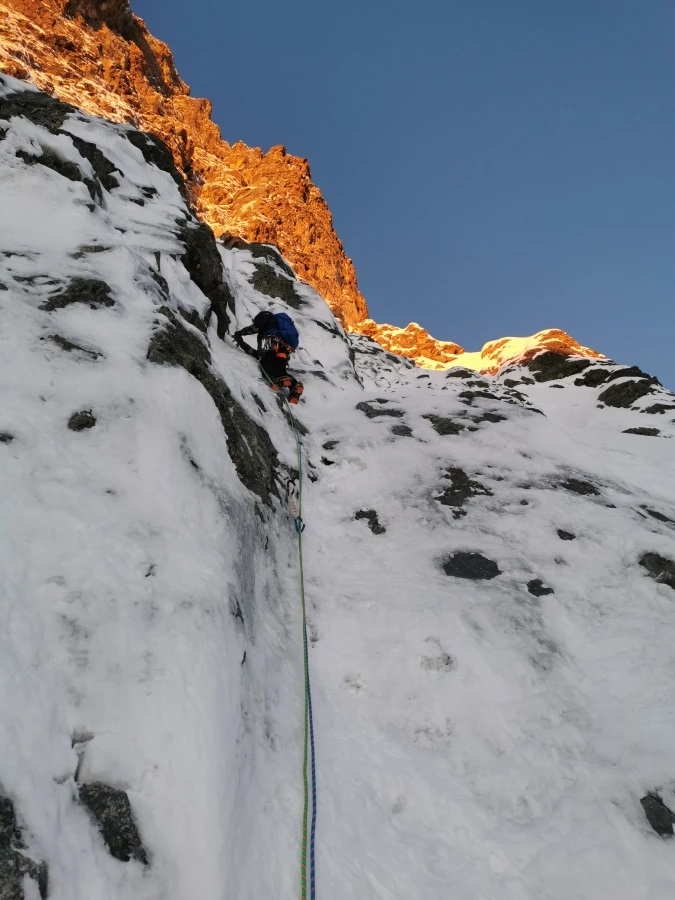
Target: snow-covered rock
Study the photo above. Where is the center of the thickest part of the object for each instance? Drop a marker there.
(488, 569)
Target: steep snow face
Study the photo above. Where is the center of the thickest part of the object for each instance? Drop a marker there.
(489, 572)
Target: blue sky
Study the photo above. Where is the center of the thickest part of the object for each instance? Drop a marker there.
(493, 168)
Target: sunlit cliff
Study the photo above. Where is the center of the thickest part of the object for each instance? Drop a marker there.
(100, 57)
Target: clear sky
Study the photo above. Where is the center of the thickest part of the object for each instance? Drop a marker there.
(493, 168)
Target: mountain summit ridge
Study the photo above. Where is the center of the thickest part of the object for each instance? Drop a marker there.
(101, 57)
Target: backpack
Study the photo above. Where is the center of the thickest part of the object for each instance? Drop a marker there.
(285, 328)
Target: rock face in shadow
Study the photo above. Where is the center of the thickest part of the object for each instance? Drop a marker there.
(579, 486)
(538, 589)
(14, 864)
(82, 420)
(112, 812)
(460, 490)
(266, 280)
(249, 445)
(660, 568)
(443, 425)
(470, 565)
(92, 291)
(550, 366)
(658, 815)
(623, 395)
(202, 261)
(373, 522)
(373, 411)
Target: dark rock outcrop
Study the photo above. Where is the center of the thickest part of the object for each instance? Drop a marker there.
(249, 445)
(660, 568)
(579, 486)
(14, 864)
(550, 366)
(442, 425)
(658, 815)
(70, 347)
(268, 281)
(92, 291)
(624, 394)
(373, 411)
(538, 589)
(460, 490)
(565, 535)
(474, 566)
(112, 812)
(82, 420)
(205, 267)
(373, 522)
(402, 430)
(646, 432)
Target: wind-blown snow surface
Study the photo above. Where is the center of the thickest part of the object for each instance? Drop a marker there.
(474, 740)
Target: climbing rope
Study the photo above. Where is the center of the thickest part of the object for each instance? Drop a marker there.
(309, 755)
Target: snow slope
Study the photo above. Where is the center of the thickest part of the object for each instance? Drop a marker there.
(480, 738)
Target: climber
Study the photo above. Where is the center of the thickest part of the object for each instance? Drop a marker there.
(277, 339)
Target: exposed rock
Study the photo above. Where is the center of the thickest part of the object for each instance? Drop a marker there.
(156, 153)
(468, 397)
(579, 486)
(402, 430)
(50, 160)
(92, 291)
(272, 254)
(646, 432)
(461, 489)
(268, 281)
(373, 522)
(443, 425)
(657, 515)
(6, 437)
(330, 445)
(203, 262)
(412, 342)
(632, 372)
(660, 568)
(538, 589)
(489, 417)
(39, 108)
(70, 347)
(14, 864)
(658, 815)
(549, 366)
(593, 377)
(112, 811)
(82, 420)
(373, 411)
(249, 445)
(566, 535)
(105, 171)
(623, 395)
(470, 565)
(101, 57)
(658, 408)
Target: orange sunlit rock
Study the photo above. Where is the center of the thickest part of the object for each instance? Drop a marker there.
(96, 54)
(415, 343)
